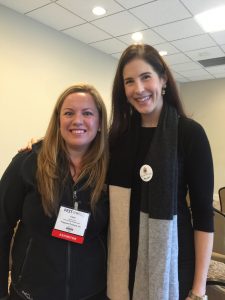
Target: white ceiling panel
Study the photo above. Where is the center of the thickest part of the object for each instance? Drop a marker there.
(180, 68)
(176, 58)
(179, 30)
(110, 46)
(120, 24)
(117, 55)
(216, 69)
(84, 8)
(206, 53)
(219, 75)
(24, 6)
(195, 42)
(219, 37)
(132, 3)
(182, 80)
(62, 18)
(177, 76)
(193, 77)
(170, 49)
(197, 72)
(197, 6)
(161, 12)
(149, 37)
(87, 33)
(168, 25)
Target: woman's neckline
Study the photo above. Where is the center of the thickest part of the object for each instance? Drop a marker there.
(143, 127)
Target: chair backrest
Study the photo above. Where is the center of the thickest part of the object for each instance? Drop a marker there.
(222, 199)
(215, 282)
(215, 292)
(219, 235)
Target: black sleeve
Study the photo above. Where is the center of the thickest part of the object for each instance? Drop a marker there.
(12, 191)
(199, 174)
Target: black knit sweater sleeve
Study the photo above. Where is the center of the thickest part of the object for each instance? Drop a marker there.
(12, 192)
(199, 173)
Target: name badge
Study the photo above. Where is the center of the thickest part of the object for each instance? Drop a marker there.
(146, 173)
(71, 225)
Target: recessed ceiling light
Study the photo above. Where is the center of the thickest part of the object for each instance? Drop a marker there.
(98, 11)
(163, 53)
(137, 36)
(212, 20)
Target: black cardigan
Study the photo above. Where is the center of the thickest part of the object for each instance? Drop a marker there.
(195, 174)
(43, 266)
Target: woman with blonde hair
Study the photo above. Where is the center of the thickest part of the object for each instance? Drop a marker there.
(56, 193)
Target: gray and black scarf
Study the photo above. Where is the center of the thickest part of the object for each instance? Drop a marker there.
(156, 276)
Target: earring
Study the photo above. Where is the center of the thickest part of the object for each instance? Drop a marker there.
(163, 90)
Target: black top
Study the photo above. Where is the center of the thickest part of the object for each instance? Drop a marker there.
(195, 174)
(42, 264)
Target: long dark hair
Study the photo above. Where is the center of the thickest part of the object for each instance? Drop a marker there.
(122, 113)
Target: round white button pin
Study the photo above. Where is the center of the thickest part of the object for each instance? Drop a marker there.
(146, 173)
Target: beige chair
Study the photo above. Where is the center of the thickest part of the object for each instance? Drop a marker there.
(222, 199)
(216, 275)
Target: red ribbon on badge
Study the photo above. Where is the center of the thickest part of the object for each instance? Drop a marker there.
(68, 236)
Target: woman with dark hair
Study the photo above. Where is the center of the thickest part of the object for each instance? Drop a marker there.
(159, 247)
(57, 195)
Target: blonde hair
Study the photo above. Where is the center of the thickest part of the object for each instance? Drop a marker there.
(53, 164)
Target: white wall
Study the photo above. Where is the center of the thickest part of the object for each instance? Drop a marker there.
(36, 64)
(205, 102)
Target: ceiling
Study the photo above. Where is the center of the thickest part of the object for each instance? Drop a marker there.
(166, 24)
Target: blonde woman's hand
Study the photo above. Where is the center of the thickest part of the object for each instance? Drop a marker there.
(29, 145)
